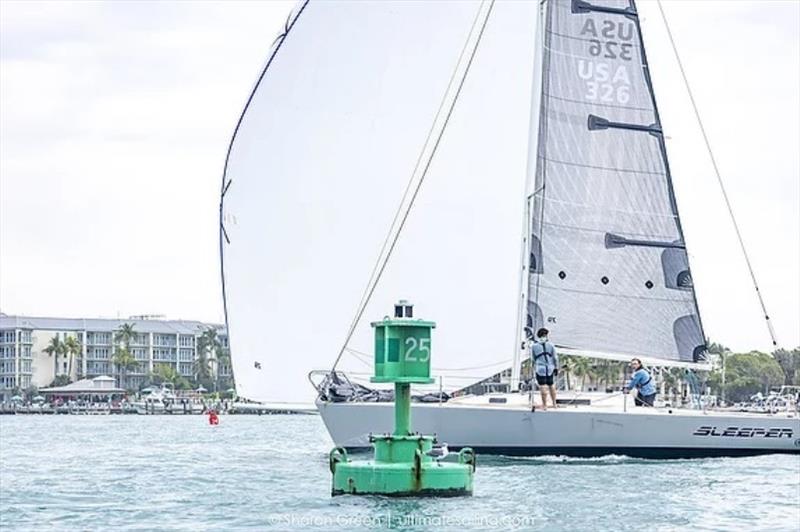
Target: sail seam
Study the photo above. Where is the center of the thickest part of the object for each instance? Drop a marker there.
(593, 104)
(563, 54)
(616, 296)
(620, 211)
(573, 38)
(609, 168)
(603, 231)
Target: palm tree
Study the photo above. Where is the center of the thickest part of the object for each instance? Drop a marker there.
(723, 352)
(672, 379)
(223, 361)
(582, 367)
(201, 367)
(566, 368)
(208, 347)
(124, 362)
(72, 348)
(55, 348)
(609, 372)
(124, 334)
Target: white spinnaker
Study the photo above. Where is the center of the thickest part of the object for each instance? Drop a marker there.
(319, 164)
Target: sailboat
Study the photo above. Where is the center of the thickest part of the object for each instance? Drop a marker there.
(317, 170)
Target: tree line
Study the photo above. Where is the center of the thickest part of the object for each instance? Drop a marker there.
(736, 378)
(208, 351)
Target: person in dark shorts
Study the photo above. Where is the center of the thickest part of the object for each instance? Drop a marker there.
(545, 366)
(643, 382)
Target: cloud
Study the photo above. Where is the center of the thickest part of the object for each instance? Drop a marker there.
(115, 121)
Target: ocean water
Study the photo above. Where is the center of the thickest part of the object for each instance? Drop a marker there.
(271, 473)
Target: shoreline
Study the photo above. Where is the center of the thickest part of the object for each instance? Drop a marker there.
(103, 410)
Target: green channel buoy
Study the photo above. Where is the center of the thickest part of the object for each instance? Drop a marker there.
(405, 463)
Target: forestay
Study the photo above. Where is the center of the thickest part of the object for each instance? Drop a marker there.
(609, 272)
(317, 167)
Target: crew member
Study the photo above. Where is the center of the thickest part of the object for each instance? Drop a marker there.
(643, 382)
(545, 364)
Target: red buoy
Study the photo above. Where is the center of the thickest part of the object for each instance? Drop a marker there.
(213, 418)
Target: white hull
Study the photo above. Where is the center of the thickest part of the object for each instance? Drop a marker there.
(512, 429)
(148, 408)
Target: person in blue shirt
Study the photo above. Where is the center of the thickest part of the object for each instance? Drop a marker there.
(643, 382)
(545, 366)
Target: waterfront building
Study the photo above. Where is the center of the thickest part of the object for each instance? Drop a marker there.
(98, 389)
(24, 361)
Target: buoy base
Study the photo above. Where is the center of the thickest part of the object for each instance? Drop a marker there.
(401, 480)
(421, 476)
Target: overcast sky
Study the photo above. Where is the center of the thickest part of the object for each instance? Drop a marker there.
(115, 118)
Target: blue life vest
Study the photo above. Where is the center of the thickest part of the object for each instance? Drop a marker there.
(545, 360)
(643, 382)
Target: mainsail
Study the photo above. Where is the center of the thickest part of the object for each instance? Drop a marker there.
(608, 271)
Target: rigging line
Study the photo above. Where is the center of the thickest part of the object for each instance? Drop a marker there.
(396, 236)
(718, 174)
(358, 353)
(412, 178)
(360, 359)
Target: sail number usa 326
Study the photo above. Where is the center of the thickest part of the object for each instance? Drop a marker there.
(607, 80)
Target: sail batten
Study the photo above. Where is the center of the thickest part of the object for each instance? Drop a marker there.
(608, 270)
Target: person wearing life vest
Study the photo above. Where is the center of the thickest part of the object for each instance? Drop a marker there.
(545, 366)
(643, 382)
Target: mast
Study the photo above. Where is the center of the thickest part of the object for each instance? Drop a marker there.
(520, 337)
